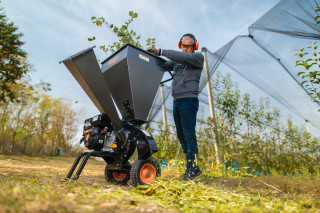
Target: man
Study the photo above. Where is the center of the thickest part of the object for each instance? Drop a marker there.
(187, 66)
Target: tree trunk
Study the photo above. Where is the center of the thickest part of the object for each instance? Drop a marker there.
(42, 146)
(2, 145)
(266, 150)
(25, 144)
(236, 148)
(12, 145)
(209, 153)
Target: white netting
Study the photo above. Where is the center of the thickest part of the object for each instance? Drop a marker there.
(265, 58)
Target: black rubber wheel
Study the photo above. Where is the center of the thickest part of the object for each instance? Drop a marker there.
(117, 177)
(144, 171)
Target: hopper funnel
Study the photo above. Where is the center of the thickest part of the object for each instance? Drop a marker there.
(133, 76)
(85, 69)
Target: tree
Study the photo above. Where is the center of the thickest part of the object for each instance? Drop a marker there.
(13, 63)
(310, 61)
(124, 34)
(311, 74)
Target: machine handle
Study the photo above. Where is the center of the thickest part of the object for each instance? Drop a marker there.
(162, 64)
(167, 79)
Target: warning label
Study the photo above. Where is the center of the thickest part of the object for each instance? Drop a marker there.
(144, 57)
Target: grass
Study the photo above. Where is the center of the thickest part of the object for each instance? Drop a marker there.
(35, 184)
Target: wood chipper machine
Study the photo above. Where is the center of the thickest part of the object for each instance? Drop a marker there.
(126, 82)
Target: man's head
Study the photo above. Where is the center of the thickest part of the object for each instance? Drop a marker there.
(188, 43)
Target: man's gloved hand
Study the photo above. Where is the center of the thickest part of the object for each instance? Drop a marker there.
(154, 51)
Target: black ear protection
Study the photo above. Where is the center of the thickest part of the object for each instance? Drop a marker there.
(196, 44)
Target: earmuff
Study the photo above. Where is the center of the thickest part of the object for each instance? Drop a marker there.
(196, 44)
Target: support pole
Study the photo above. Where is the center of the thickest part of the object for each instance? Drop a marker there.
(309, 136)
(211, 106)
(307, 125)
(164, 111)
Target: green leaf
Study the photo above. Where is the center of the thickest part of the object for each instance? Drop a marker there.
(303, 82)
(130, 13)
(305, 64)
(124, 40)
(91, 39)
(93, 17)
(98, 23)
(312, 75)
(95, 184)
(111, 25)
(138, 37)
(300, 73)
(10, 202)
(135, 15)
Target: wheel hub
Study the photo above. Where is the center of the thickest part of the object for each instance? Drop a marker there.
(119, 176)
(148, 173)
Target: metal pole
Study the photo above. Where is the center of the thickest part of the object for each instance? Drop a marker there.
(164, 111)
(211, 106)
(309, 137)
(307, 125)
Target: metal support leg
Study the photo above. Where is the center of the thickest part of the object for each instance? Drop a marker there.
(83, 163)
(74, 166)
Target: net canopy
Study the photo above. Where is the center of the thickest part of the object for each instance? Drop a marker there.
(263, 60)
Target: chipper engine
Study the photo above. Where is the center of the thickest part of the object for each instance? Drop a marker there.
(125, 84)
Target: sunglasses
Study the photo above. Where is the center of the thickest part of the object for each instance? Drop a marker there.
(189, 47)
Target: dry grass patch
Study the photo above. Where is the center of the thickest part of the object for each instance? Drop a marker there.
(35, 184)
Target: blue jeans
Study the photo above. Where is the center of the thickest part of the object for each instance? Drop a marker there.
(185, 118)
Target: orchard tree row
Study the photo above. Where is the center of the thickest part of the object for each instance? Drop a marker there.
(250, 135)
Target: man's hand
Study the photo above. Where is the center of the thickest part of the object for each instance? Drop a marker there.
(154, 51)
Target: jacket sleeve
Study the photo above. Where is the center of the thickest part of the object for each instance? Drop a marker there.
(170, 65)
(192, 59)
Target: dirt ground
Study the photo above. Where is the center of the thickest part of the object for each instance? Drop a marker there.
(36, 184)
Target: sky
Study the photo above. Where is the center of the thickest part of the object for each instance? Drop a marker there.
(56, 29)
